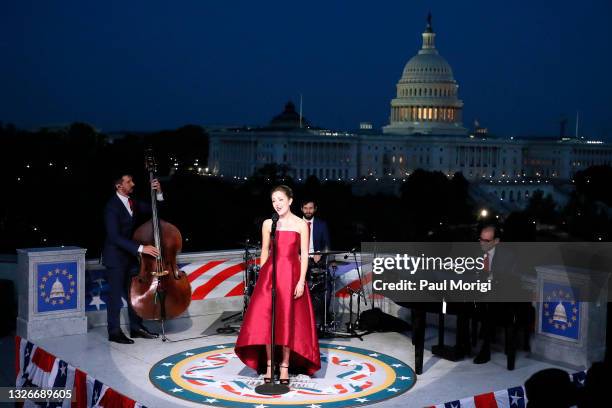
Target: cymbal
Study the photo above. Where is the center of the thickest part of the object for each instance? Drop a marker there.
(247, 244)
(329, 252)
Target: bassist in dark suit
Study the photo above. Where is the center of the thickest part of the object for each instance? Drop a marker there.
(120, 255)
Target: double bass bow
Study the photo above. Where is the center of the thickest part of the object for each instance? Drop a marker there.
(160, 291)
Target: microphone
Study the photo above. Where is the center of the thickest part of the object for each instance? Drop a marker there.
(274, 221)
(352, 251)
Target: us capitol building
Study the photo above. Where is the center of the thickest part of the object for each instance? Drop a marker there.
(425, 131)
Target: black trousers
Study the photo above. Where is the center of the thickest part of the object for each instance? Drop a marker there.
(119, 282)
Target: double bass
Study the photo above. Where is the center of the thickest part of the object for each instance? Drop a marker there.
(160, 291)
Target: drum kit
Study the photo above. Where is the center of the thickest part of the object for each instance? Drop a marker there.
(322, 282)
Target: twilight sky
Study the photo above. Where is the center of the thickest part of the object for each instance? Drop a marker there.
(147, 65)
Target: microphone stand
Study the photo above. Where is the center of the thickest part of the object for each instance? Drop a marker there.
(361, 291)
(272, 388)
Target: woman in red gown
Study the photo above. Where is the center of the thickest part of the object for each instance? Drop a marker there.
(297, 345)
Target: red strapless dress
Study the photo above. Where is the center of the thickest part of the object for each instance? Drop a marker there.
(295, 320)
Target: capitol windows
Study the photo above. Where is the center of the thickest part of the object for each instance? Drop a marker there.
(430, 115)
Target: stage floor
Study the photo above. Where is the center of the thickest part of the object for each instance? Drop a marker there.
(126, 367)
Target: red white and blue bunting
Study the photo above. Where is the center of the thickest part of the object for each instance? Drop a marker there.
(514, 397)
(37, 368)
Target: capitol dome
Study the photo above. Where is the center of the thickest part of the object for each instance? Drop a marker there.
(427, 100)
(427, 67)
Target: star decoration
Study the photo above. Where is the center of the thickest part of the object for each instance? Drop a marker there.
(64, 272)
(221, 346)
(260, 406)
(70, 277)
(515, 399)
(211, 400)
(397, 365)
(392, 389)
(188, 354)
(44, 279)
(162, 377)
(361, 400)
(175, 390)
(63, 369)
(50, 273)
(314, 406)
(168, 364)
(42, 286)
(341, 348)
(96, 301)
(403, 378)
(373, 355)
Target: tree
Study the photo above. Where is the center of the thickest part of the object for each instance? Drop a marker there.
(542, 209)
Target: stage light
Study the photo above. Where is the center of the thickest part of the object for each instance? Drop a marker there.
(484, 213)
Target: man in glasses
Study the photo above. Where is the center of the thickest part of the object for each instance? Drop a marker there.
(489, 238)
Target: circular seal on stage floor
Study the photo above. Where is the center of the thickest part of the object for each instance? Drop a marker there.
(349, 376)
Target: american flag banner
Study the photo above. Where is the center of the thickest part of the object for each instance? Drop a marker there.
(224, 278)
(35, 367)
(514, 397)
(215, 278)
